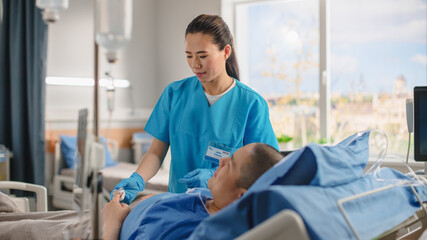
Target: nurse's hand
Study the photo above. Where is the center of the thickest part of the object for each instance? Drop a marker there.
(132, 186)
(197, 178)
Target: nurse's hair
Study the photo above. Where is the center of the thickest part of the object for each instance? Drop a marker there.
(263, 157)
(215, 26)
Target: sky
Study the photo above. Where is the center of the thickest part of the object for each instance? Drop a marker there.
(372, 42)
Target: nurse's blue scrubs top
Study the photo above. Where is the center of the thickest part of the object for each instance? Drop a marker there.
(183, 118)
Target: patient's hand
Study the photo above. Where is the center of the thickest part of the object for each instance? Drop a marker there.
(113, 215)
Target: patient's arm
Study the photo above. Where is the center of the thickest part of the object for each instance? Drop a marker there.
(137, 201)
(147, 196)
(113, 215)
(152, 160)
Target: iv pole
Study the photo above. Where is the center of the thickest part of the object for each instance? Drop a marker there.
(96, 183)
(96, 81)
(95, 177)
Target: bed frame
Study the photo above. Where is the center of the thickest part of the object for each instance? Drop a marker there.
(286, 224)
(62, 196)
(23, 202)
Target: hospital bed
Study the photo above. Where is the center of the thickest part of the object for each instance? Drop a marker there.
(287, 224)
(286, 202)
(19, 220)
(306, 189)
(63, 177)
(23, 203)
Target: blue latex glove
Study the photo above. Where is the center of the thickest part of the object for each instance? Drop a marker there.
(132, 186)
(197, 178)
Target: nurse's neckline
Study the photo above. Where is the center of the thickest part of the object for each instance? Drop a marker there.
(220, 89)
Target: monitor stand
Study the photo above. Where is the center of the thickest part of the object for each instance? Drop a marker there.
(422, 172)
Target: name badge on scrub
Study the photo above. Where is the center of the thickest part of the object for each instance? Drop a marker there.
(216, 151)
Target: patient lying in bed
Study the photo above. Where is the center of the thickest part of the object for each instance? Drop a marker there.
(175, 216)
(158, 217)
(309, 181)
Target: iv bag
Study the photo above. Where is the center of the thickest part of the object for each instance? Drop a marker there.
(51, 8)
(113, 25)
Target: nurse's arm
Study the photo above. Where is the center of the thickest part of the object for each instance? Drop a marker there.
(152, 160)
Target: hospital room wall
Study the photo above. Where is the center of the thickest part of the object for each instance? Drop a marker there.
(172, 19)
(152, 59)
(70, 54)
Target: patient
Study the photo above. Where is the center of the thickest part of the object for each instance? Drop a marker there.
(171, 215)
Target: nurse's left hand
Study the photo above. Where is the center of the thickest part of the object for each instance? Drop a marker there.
(197, 178)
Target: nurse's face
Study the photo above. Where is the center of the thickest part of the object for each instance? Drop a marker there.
(223, 184)
(204, 57)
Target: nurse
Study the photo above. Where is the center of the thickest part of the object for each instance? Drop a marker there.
(203, 117)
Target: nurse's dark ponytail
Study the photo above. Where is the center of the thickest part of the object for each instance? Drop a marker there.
(216, 27)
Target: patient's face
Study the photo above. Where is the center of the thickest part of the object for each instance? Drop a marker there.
(223, 184)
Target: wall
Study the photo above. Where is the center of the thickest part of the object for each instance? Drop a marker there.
(172, 19)
(70, 54)
(152, 59)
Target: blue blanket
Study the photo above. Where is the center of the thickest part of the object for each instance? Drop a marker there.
(166, 216)
(318, 207)
(310, 181)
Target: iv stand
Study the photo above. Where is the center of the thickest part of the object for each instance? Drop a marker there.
(95, 184)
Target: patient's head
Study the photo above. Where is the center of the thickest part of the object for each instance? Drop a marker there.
(237, 173)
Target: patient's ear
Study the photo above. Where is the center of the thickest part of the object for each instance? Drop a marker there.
(242, 191)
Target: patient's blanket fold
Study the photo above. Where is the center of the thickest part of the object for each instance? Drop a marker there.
(15, 224)
(43, 225)
(7, 205)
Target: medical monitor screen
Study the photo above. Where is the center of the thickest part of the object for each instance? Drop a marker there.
(420, 123)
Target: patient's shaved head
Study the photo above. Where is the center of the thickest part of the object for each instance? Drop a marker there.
(237, 173)
(263, 157)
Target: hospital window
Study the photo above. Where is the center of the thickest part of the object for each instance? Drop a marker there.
(375, 59)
